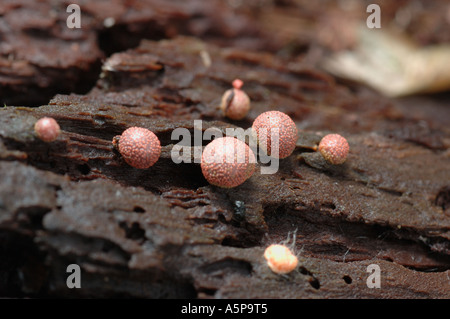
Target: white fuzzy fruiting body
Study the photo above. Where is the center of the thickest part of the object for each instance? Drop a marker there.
(280, 259)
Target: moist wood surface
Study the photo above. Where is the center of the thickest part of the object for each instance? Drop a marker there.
(165, 232)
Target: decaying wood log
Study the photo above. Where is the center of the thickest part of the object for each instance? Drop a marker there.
(165, 232)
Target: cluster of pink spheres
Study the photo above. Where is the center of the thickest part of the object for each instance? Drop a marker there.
(226, 162)
(141, 148)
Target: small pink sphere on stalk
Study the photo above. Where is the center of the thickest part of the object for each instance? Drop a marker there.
(277, 125)
(334, 148)
(235, 103)
(227, 162)
(47, 129)
(139, 147)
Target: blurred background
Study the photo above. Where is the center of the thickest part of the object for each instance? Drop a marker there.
(40, 56)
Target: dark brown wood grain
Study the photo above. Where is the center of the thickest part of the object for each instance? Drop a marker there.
(165, 232)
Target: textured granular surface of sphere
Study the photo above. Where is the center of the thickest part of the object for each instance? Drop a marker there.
(227, 162)
(280, 259)
(47, 129)
(139, 147)
(334, 148)
(276, 133)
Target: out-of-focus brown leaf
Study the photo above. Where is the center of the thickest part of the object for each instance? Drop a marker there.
(392, 64)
